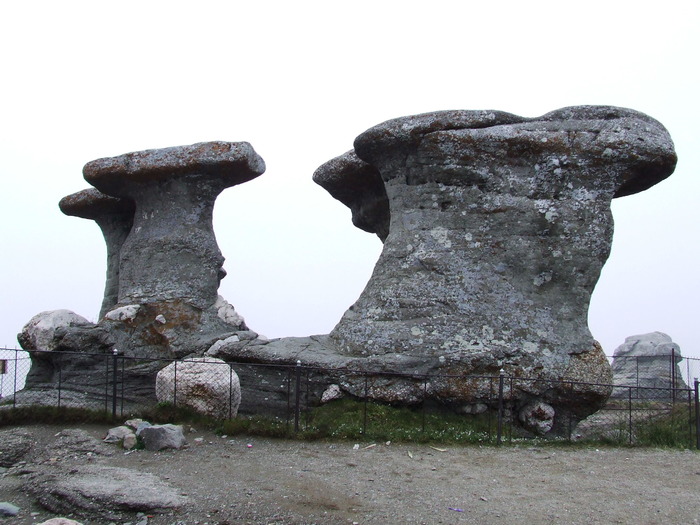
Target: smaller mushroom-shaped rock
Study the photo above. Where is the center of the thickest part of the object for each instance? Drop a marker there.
(114, 216)
(359, 186)
(171, 252)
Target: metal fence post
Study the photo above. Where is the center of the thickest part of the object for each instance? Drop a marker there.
(499, 431)
(697, 415)
(425, 397)
(297, 399)
(175, 384)
(629, 407)
(673, 374)
(364, 413)
(14, 395)
(115, 354)
(60, 378)
(230, 392)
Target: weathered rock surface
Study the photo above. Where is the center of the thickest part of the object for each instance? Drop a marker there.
(101, 492)
(359, 186)
(14, 446)
(44, 330)
(648, 361)
(171, 251)
(159, 437)
(208, 385)
(114, 217)
(499, 228)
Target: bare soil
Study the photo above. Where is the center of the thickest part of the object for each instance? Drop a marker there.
(247, 480)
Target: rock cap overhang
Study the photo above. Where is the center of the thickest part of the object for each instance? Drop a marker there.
(621, 135)
(93, 204)
(229, 163)
(359, 186)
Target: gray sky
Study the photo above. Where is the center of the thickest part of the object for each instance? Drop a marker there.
(299, 81)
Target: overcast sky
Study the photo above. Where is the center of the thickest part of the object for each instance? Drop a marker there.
(299, 81)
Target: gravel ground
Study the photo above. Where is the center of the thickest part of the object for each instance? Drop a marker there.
(251, 480)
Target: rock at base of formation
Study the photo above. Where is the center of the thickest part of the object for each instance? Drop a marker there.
(205, 384)
(650, 363)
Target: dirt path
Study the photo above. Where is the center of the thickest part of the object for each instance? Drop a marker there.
(274, 481)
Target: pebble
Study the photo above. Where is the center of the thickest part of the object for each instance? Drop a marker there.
(8, 509)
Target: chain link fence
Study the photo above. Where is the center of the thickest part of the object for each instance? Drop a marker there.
(293, 395)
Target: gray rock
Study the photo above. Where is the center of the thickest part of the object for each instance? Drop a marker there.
(101, 492)
(500, 226)
(76, 443)
(114, 217)
(359, 186)
(15, 444)
(174, 190)
(117, 434)
(207, 385)
(537, 417)
(647, 361)
(43, 331)
(8, 509)
(158, 437)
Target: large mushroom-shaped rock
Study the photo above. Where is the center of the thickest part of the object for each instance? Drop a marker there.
(171, 252)
(359, 186)
(499, 228)
(114, 216)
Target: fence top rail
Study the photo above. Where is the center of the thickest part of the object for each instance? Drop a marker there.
(512, 381)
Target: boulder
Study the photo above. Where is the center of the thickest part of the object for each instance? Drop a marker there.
(159, 437)
(649, 361)
(44, 330)
(99, 492)
(208, 385)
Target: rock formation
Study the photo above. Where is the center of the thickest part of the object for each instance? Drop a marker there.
(114, 217)
(650, 362)
(495, 230)
(164, 268)
(499, 228)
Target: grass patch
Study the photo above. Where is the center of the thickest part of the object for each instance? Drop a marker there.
(671, 430)
(53, 415)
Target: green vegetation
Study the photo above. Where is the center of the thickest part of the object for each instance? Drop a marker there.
(354, 420)
(43, 414)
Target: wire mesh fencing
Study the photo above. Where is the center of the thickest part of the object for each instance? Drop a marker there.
(297, 397)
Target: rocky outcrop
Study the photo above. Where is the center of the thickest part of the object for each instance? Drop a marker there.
(499, 228)
(650, 363)
(495, 230)
(101, 492)
(207, 385)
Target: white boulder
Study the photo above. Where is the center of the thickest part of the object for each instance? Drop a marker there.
(40, 332)
(207, 385)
